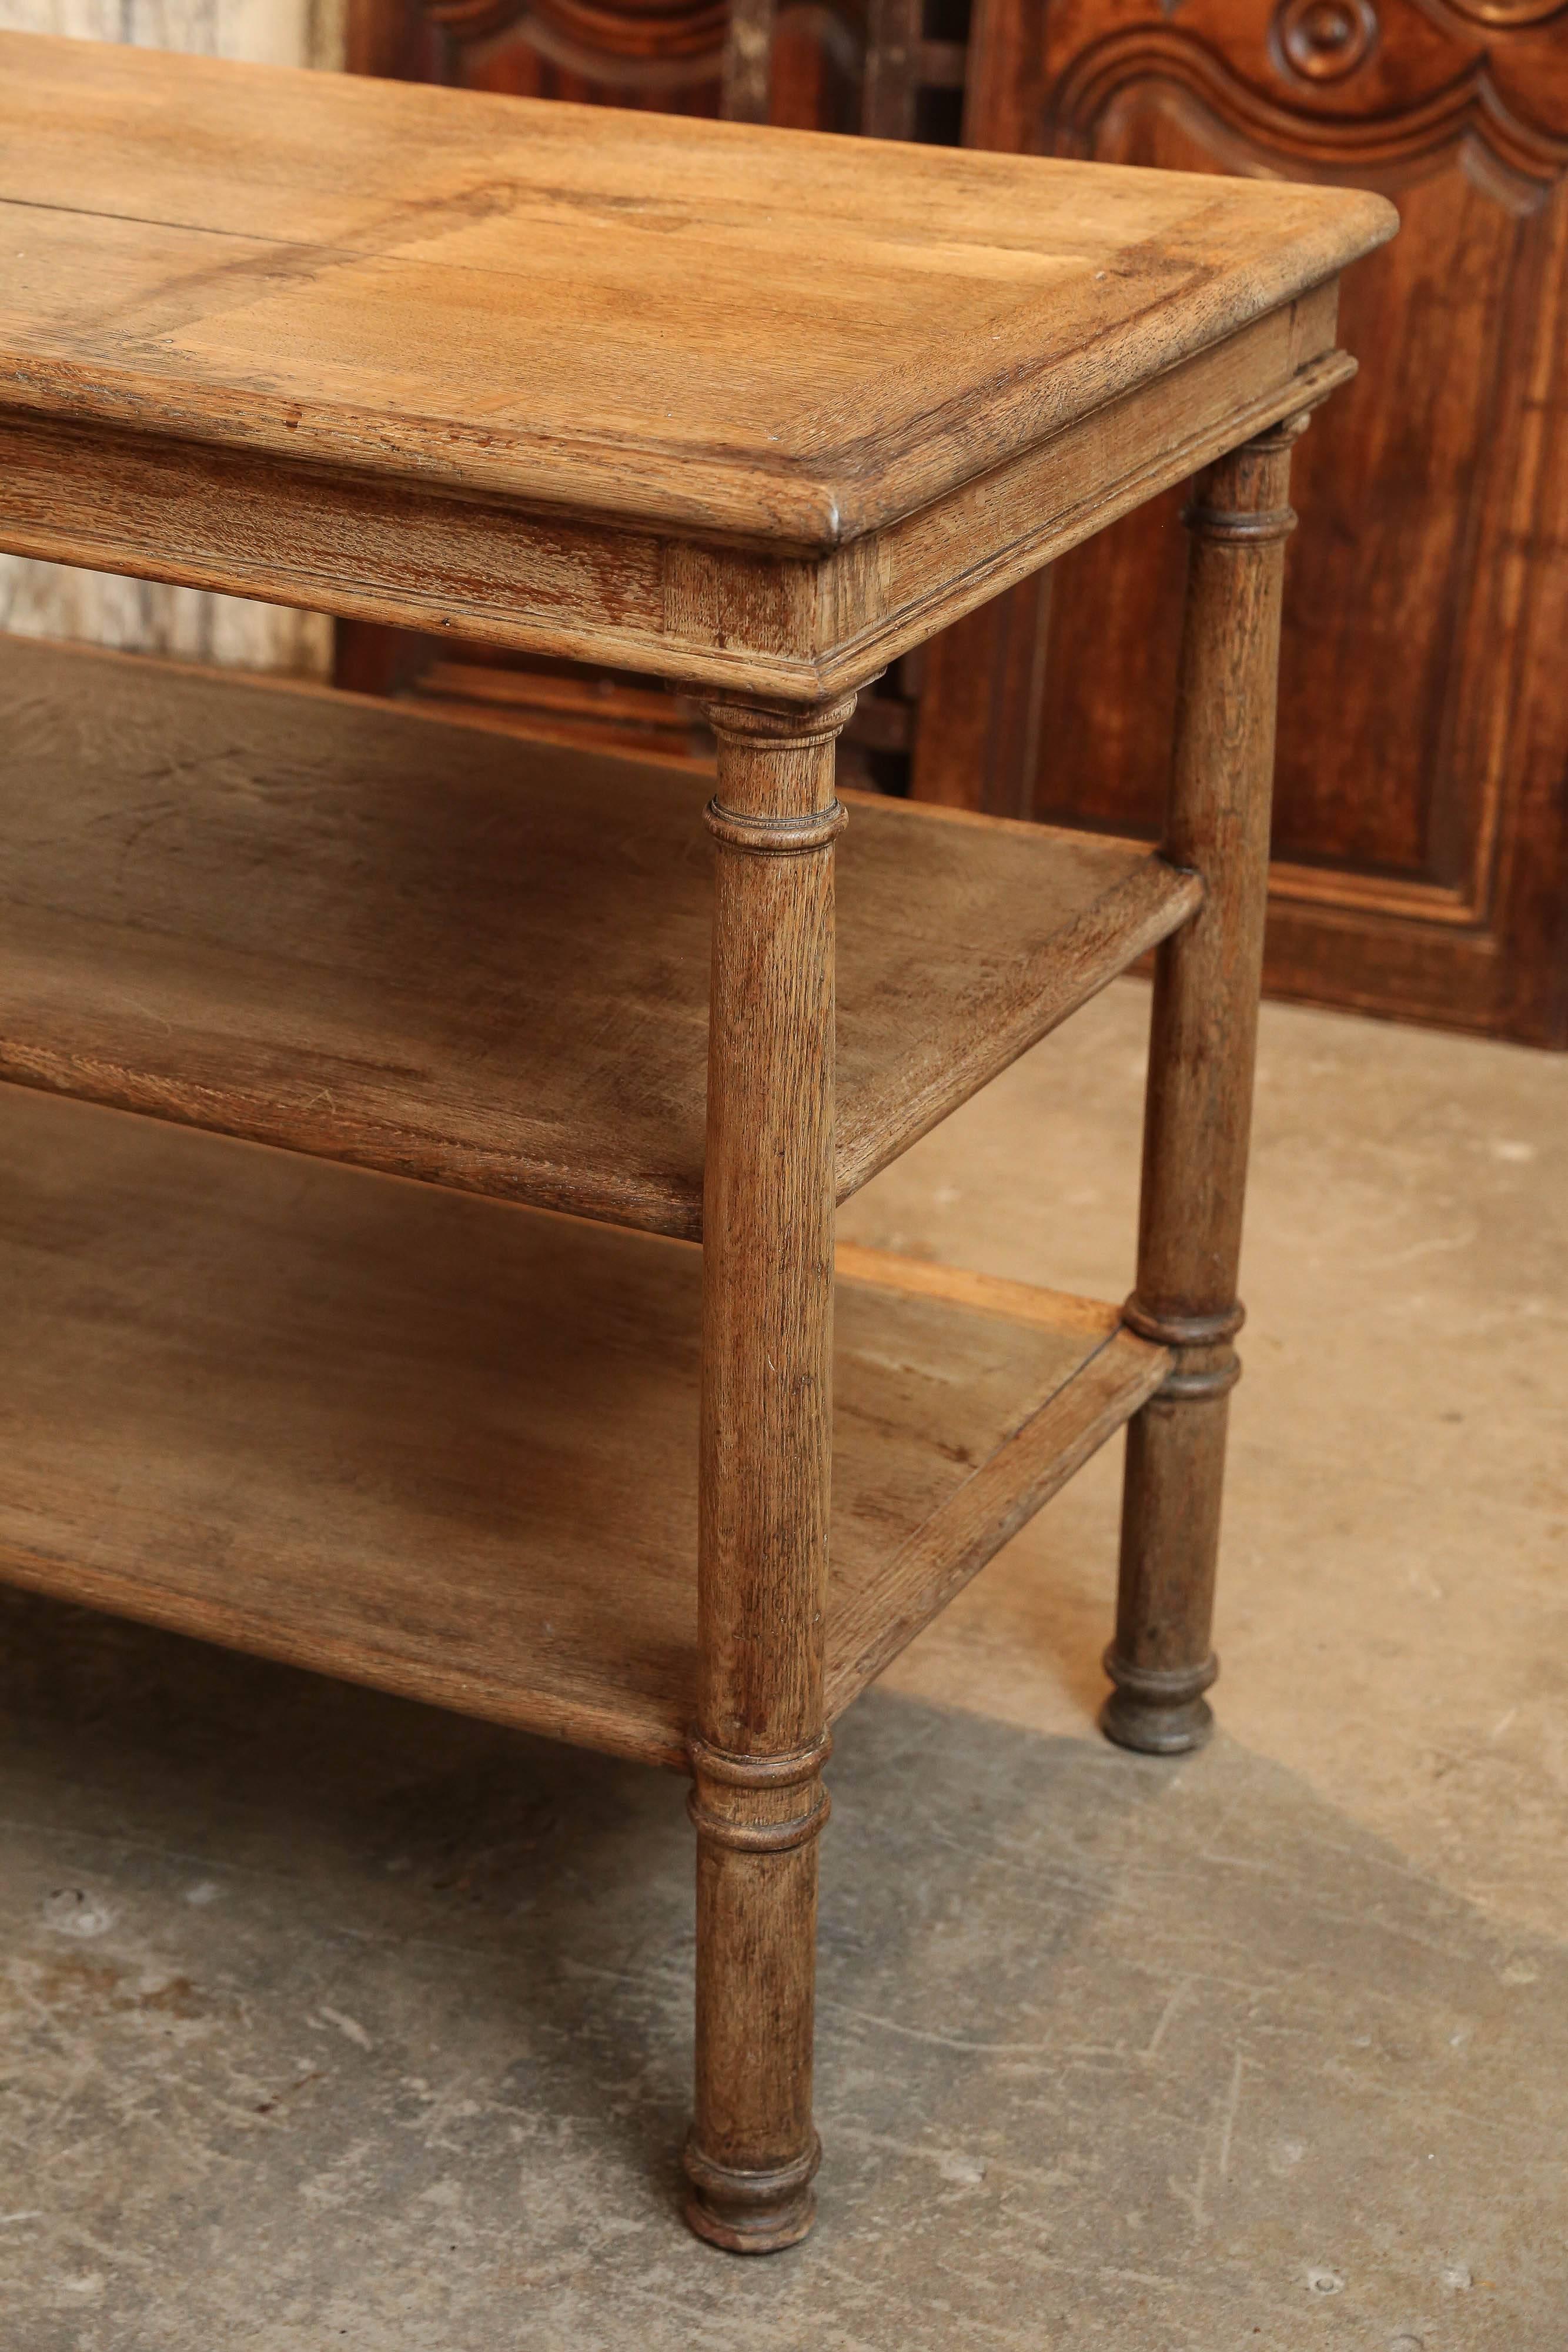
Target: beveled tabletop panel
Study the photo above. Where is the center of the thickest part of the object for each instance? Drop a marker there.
(791, 338)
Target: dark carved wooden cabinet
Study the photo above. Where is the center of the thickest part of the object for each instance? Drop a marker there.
(891, 68)
(1421, 841)
(1421, 838)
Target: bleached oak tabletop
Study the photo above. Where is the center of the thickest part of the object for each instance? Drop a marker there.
(662, 388)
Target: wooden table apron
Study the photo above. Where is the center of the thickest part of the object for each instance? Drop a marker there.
(792, 624)
(774, 579)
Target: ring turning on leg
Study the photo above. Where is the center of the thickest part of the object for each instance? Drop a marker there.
(757, 1820)
(1199, 1105)
(757, 1754)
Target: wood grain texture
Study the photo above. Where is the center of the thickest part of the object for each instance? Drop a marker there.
(882, 1617)
(842, 67)
(436, 1443)
(936, 565)
(1198, 1117)
(545, 584)
(319, 921)
(583, 282)
(765, 1465)
(768, 1232)
(48, 600)
(1421, 832)
(836, 64)
(667, 55)
(752, 411)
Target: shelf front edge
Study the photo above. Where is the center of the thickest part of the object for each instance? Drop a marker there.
(641, 1735)
(990, 1509)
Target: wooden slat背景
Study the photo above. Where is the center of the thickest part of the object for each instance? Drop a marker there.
(449, 1448)
(318, 922)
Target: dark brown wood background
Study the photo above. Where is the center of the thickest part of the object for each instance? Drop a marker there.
(1421, 841)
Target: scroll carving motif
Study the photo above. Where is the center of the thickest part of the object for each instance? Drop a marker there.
(665, 45)
(803, 60)
(1323, 40)
(1468, 109)
(1419, 852)
(1500, 15)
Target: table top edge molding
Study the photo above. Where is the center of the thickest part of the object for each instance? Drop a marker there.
(256, 307)
(701, 611)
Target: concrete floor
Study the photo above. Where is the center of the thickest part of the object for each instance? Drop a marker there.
(332, 2021)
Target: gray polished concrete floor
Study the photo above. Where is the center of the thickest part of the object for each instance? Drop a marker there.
(328, 2019)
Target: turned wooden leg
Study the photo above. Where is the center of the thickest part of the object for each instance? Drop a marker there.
(1199, 1104)
(761, 1737)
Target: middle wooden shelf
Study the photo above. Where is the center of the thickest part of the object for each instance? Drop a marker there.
(429, 948)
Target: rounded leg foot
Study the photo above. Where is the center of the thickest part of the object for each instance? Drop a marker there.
(1159, 1713)
(752, 2212)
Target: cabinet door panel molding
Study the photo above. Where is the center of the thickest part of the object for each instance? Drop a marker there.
(1419, 848)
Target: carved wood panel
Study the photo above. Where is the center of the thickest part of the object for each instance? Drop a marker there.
(663, 54)
(1420, 864)
(894, 69)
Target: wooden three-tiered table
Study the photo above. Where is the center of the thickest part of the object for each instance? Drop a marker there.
(545, 1432)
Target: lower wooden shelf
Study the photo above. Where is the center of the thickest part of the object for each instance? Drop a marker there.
(448, 1446)
(329, 924)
